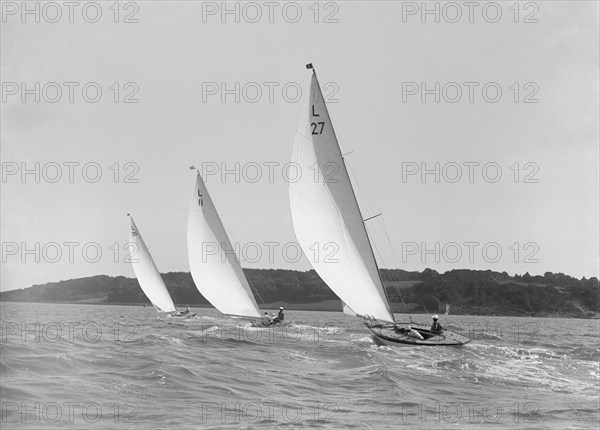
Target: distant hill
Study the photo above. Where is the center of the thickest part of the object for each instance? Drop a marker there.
(468, 291)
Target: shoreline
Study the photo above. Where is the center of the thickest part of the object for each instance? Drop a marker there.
(323, 306)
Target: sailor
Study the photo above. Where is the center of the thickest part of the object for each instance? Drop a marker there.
(436, 326)
(279, 316)
(413, 333)
(266, 319)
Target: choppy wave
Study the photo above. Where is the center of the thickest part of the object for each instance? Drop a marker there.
(324, 370)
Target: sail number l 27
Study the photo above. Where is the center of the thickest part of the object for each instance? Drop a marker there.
(315, 126)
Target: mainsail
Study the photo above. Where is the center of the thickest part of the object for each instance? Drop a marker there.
(147, 274)
(215, 268)
(348, 311)
(325, 213)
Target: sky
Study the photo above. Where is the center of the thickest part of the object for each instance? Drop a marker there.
(473, 131)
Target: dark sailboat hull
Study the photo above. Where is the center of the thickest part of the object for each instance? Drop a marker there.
(393, 335)
(260, 324)
(186, 315)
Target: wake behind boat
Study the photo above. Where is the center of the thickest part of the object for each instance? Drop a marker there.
(149, 277)
(215, 268)
(325, 210)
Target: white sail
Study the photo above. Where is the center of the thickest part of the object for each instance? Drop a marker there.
(325, 213)
(215, 268)
(147, 274)
(348, 311)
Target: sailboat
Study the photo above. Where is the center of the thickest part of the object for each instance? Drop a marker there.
(214, 266)
(148, 276)
(325, 210)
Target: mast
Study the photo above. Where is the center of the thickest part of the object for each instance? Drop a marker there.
(310, 66)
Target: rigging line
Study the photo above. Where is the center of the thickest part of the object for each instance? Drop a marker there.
(391, 277)
(371, 217)
(340, 133)
(392, 272)
(395, 255)
(369, 241)
(404, 303)
(357, 173)
(425, 307)
(252, 287)
(368, 200)
(342, 140)
(332, 142)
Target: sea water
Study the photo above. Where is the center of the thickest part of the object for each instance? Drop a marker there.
(97, 367)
